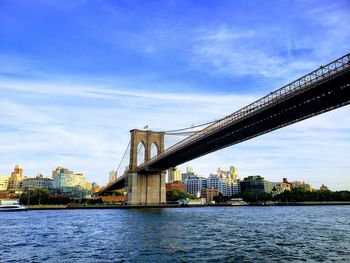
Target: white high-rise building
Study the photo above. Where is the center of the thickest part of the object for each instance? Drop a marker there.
(226, 182)
(194, 184)
(219, 182)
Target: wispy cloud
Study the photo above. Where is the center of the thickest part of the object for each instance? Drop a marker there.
(232, 51)
(278, 52)
(42, 136)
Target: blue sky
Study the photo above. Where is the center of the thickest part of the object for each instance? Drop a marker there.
(76, 76)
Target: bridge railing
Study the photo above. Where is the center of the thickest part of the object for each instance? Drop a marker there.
(290, 89)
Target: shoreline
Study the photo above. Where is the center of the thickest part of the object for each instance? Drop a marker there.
(71, 207)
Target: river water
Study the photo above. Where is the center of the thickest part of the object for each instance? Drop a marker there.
(207, 234)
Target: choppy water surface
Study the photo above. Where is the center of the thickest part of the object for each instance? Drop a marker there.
(212, 234)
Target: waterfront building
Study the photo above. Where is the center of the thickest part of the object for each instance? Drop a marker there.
(175, 185)
(112, 175)
(234, 181)
(174, 174)
(70, 183)
(255, 184)
(219, 182)
(280, 187)
(16, 179)
(188, 174)
(208, 194)
(75, 192)
(4, 181)
(38, 182)
(66, 178)
(226, 182)
(302, 186)
(194, 185)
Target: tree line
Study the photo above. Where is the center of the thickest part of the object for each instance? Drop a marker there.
(295, 195)
(41, 196)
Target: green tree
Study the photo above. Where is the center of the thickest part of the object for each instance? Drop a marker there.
(35, 197)
(221, 199)
(299, 195)
(250, 197)
(58, 200)
(174, 195)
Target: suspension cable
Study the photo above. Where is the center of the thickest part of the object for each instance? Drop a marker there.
(181, 133)
(188, 128)
(126, 150)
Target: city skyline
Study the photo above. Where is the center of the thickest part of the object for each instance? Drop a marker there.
(87, 72)
(189, 171)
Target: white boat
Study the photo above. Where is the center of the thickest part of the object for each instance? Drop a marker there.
(237, 201)
(11, 205)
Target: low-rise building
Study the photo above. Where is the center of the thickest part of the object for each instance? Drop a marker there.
(301, 185)
(280, 187)
(256, 184)
(38, 182)
(208, 194)
(176, 185)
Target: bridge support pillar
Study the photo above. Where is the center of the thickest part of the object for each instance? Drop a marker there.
(146, 189)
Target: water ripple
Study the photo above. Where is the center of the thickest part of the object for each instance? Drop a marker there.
(211, 234)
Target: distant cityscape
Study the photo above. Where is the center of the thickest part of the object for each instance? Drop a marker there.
(226, 183)
(63, 182)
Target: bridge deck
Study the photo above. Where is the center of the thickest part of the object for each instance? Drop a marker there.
(323, 89)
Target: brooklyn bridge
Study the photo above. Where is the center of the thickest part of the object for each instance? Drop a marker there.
(324, 89)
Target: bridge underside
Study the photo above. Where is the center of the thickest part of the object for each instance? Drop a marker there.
(321, 97)
(319, 92)
(118, 184)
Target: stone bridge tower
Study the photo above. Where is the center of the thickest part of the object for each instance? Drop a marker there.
(145, 189)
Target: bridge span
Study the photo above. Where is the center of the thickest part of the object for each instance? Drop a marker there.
(322, 90)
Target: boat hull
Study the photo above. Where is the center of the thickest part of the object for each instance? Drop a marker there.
(16, 209)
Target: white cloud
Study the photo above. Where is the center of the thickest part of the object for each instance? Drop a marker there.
(278, 52)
